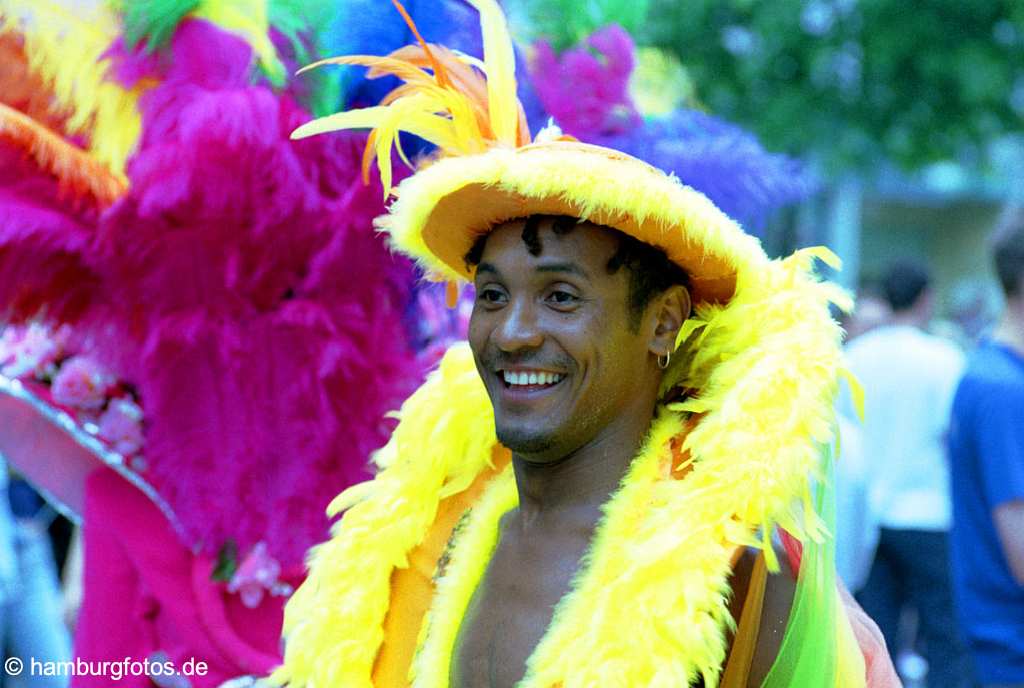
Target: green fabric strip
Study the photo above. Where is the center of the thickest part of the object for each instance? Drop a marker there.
(809, 654)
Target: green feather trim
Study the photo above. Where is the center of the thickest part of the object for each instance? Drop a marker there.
(300, 22)
(153, 21)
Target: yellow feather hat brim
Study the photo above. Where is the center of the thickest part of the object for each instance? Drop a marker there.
(442, 209)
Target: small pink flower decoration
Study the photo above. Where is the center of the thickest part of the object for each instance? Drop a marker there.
(256, 575)
(9, 340)
(121, 426)
(27, 350)
(80, 383)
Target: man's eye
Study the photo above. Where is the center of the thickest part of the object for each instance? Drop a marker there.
(562, 298)
(490, 295)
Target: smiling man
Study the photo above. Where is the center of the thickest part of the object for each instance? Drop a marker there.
(590, 492)
(554, 330)
(573, 328)
(567, 341)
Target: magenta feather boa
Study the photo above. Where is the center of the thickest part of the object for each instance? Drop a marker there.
(42, 240)
(242, 291)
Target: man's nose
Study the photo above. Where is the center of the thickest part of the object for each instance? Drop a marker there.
(518, 328)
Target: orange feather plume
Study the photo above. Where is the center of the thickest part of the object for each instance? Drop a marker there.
(439, 73)
(78, 173)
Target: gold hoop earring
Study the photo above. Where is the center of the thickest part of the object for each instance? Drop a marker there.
(664, 359)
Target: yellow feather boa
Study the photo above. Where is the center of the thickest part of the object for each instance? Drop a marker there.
(766, 369)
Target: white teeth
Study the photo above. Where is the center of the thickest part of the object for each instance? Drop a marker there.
(532, 378)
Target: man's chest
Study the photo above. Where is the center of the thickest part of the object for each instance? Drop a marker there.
(511, 611)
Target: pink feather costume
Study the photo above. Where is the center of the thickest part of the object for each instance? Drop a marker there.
(238, 292)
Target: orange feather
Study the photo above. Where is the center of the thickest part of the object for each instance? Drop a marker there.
(462, 77)
(467, 80)
(78, 173)
(369, 153)
(378, 67)
(439, 73)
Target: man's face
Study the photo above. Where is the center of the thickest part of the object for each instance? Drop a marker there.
(552, 339)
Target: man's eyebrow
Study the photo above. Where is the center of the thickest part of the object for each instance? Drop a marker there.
(487, 267)
(570, 268)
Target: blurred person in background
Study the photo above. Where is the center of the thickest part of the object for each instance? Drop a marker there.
(972, 309)
(909, 377)
(31, 620)
(987, 456)
(872, 312)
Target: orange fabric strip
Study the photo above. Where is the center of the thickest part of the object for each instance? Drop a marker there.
(737, 666)
(412, 588)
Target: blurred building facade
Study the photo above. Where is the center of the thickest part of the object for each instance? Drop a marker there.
(942, 213)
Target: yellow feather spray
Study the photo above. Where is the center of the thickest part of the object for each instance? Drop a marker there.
(500, 62)
(451, 106)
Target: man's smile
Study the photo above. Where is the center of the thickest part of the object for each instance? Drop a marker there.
(520, 383)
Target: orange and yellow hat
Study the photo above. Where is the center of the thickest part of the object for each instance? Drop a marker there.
(487, 170)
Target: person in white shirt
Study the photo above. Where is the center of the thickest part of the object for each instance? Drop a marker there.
(855, 532)
(909, 378)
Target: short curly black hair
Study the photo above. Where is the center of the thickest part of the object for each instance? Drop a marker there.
(904, 281)
(650, 270)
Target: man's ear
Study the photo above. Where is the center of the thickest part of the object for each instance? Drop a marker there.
(671, 309)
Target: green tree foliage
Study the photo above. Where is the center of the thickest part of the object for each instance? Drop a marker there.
(563, 23)
(853, 81)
